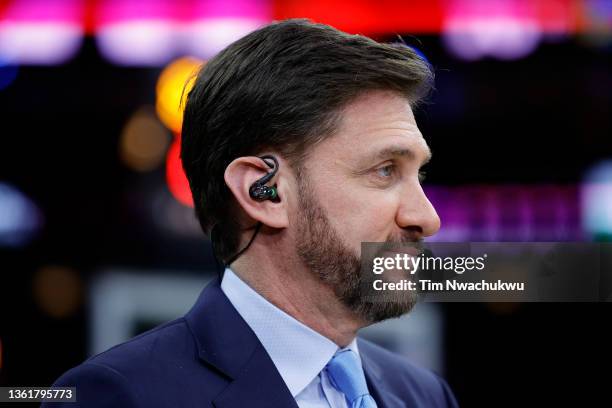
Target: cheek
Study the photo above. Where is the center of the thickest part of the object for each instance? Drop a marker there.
(359, 215)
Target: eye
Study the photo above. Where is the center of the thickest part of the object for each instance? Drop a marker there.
(386, 171)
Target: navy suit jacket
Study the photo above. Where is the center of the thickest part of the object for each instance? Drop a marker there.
(212, 358)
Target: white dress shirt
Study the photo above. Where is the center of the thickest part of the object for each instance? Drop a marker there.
(299, 353)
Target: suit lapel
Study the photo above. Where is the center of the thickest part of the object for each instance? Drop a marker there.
(258, 385)
(227, 343)
(384, 396)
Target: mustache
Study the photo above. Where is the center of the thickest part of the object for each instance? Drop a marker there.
(404, 242)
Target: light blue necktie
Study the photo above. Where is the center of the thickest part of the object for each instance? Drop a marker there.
(346, 374)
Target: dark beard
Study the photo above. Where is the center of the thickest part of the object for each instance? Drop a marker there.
(321, 249)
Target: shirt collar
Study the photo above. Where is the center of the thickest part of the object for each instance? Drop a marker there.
(298, 352)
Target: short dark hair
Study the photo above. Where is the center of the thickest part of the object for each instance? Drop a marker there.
(280, 88)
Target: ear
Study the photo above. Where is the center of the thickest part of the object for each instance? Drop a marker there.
(242, 173)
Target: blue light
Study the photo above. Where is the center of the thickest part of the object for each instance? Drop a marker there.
(596, 198)
(8, 73)
(401, 42)
(20, 218)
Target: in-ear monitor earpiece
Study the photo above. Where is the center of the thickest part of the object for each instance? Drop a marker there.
(258, 190)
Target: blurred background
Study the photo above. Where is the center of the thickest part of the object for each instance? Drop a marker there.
(98, 240)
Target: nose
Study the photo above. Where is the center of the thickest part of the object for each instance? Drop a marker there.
(416, 214)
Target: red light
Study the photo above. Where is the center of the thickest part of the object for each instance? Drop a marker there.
(367, 17)
(175, 176)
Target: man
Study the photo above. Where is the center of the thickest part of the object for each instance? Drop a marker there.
(299, 143)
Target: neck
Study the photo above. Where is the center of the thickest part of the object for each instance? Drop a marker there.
(298, 292)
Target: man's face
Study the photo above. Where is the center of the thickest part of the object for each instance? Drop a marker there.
(362, 185)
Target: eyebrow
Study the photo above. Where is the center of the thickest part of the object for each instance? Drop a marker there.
(398, 151)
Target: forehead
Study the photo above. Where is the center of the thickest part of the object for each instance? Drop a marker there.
(375, 121)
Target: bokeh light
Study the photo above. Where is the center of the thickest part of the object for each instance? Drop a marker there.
(136, 32)
(173, 84)
(175, 176)
(144, 141)
(518, 213)
(137, 43)
(208, 37)
(597, 21)
(41, 32)
(153, 32)
(58, 290)
(503, 29)
(20, 218)
(596, 198)
(8, 73)
(502, 38)
(217, 23)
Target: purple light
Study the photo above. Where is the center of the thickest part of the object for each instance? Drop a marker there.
(41, 32)
(503, 38)
(504, 29)
(137, 32)
(120, 11)
(39, 43)
(140, 43)
(218, 23)
(153, 32)
(598, 19)
(209, 36)
(254, 9)
(506, 213)
(66, 11)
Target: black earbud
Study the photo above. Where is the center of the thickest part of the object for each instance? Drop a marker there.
(258, 190)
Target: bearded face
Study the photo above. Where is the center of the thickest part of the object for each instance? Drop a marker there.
(322, 249)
